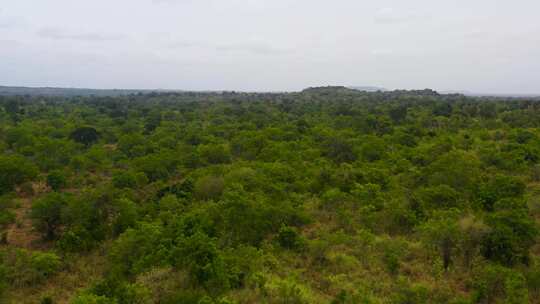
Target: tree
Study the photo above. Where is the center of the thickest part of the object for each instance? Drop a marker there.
(209, 187)
(473, 230)
(56, 180)
(125, 215)
(215, 153)
(512, 233)
(15, 170)
(85, 135)
(339, 150)
(201, 257)
(442, 232)
(499, 187)
(47, 214)
(137, 250)
(289, 238)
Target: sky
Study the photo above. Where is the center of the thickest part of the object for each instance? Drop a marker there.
(483, 46)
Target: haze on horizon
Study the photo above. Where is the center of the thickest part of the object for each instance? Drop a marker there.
(278, 45)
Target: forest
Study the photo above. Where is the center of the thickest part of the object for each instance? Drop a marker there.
(328, 195)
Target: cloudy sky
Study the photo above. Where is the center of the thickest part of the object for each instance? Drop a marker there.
(490, 46)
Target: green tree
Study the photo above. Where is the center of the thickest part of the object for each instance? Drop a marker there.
(56, 180)
(47, 214)
(442, 232)
(15, 170)
(512, 233)
(85, 135)
(200, 255)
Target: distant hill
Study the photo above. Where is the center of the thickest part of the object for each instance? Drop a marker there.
(368, 89)
(327, 89)
(68, 92)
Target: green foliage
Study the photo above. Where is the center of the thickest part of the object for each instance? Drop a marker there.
(411, 294)
(325, 195)
(85, 135)
(289, 238)
(24, 268)
(339, 150)
(494, 282)
(47, 214)
(199, 254)
(129, 179)
(442, 232)
(512, 233)
(215, 153)
(88, 298)
(126, 215)
(138, 250)
(15, 170)
(499, 187)
(56, 180)
(209, 187)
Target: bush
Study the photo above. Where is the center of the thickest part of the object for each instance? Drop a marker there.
(512, 233)
(56, 180)
(125, 215)
(76, 239)
(289, 238)
(24, 268)
(138, 250)
(15, 170)
(88, 298)
(85, 135)
(209, 187)
(47, 214)
(499, 187)
(6, 217)
(215, 154)
(200, 256)
(129, 179)
(411, 294)
(495, 282)
(45, 264)
(291, 293)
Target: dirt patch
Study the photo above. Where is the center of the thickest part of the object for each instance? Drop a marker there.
(21, 234)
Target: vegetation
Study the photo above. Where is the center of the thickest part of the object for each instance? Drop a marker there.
(328, 195)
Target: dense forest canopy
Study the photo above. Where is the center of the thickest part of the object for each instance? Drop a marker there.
(329, 195)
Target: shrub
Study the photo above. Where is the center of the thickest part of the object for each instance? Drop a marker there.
(125, 215)
(47, 214)
(512, 233)
(138, 250)
(129, 179)
(200, 256)
(15, 170)
(88, 298)
(209, 187)
(85, 135)
(411, 293)
(499, 187)
(215, 154)
(495, 282)
(29, 268)
(289, 238)
(76, 239)
(56, 180)
(45, 264)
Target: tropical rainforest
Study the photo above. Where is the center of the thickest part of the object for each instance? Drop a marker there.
(328, 195)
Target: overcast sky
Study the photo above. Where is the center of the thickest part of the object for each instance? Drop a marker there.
(477, 45)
